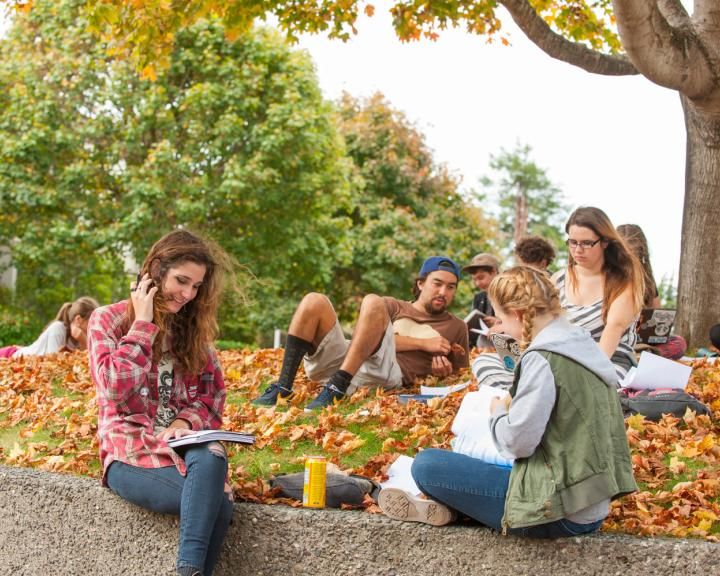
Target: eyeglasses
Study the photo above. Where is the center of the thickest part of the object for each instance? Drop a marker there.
(584, 244)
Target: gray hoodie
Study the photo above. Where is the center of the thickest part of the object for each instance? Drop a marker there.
(517, 432)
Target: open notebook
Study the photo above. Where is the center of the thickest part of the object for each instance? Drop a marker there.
(475, 323)
(471, 427)
(204, 436)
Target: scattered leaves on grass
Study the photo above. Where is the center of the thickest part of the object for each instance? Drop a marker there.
(48, 420)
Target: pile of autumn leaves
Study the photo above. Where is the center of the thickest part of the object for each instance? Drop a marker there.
(48, 420)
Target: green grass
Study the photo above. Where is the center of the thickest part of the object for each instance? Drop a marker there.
(263, 463)
(692, 467)
(9, 437)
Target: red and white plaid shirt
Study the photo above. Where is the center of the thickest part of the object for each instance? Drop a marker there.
(126, 382)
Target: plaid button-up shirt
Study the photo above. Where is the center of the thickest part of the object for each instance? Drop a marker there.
(126, 378)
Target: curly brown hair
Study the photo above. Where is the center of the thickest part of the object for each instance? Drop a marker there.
(194, 328)
(534, 250)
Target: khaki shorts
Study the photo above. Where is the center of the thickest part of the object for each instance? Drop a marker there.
(381, 369)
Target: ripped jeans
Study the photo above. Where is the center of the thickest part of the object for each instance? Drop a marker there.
(199, 499)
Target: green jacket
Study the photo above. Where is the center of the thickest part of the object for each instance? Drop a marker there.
(583, 457)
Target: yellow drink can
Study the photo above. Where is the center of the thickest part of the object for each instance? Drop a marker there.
(314, 484)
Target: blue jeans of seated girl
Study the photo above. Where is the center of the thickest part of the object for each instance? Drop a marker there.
(478, 489)
(198, 498)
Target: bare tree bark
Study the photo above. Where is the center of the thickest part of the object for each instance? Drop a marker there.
(537, 30)
(521, 216)
(677, 51)
(675, 14)
(666, 55)
(698, 300)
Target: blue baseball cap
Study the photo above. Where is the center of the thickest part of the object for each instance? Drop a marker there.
(435, 263)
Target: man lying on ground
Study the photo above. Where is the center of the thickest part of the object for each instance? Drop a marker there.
(394, 342)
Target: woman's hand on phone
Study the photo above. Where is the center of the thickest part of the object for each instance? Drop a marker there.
(142, 293)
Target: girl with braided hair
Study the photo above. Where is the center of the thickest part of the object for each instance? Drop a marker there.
(562, 424)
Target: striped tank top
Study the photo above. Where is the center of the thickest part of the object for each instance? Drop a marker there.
(590, 318)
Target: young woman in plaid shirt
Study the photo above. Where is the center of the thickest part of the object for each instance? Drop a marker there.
(157, 377)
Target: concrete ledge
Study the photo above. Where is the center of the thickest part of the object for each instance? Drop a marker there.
(58, 524)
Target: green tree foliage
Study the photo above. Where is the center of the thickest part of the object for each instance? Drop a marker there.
(524, 191)
(664, 42)
(233, 140)
(406, 206)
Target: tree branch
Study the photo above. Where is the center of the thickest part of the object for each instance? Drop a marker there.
(662, 44)
(538, 31)
(675, 14)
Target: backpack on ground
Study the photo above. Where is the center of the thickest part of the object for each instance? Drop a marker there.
(654, 403)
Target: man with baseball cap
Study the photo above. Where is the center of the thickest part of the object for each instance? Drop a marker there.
(482, 268)
(394, 342)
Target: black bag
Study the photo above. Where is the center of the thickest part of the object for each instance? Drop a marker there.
(654, 403)
(339, 488)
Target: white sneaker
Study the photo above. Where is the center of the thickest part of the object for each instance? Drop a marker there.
(401, 505)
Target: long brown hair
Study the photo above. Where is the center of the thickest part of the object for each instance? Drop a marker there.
(621, 268)
(635, 239)
(193, 329)
(527, 290)
(82, 307)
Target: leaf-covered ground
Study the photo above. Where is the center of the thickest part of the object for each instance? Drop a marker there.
(48, 420)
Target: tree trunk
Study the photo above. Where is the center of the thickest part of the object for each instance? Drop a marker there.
(698, 293)
(521, 217)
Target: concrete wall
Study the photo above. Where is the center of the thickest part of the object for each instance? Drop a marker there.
(57, 524)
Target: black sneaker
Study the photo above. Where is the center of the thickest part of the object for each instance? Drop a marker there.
(327, 397)
(270, 396)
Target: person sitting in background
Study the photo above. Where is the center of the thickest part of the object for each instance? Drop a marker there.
(67, 332)
(635, 239)
(482, 269)
(394, 342)
(535, 251)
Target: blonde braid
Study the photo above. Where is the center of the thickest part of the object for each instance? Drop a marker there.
(528, 323)
(526, 290)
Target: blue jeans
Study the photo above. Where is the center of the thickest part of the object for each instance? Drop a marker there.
(478, 489)
(199, 498)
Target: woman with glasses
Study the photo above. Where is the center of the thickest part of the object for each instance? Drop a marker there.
(601, 290)
(602, 287)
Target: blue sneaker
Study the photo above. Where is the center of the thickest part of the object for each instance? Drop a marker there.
(327, 397)
(270, 396)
